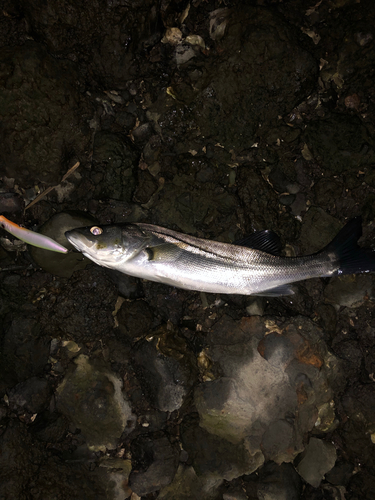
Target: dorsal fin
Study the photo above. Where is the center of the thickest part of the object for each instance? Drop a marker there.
(266, 241)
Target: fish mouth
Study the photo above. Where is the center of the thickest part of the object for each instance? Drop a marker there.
(88, 248)
(79, 242)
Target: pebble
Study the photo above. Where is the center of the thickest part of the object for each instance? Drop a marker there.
(349, 291)
(265, 373)
(166, 380)
(162, 469)
(318, 459)
(59, 264)
(33, 394)
(11, 203)
(91, 396)
(279, 482)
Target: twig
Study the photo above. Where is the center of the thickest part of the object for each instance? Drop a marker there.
(49, 189)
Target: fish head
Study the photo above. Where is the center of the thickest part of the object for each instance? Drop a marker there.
(108, 245)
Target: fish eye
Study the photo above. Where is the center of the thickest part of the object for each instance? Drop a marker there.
(95, 230)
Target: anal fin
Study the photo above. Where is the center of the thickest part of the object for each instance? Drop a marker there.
(278, 291)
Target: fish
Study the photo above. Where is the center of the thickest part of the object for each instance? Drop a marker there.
(252, 266)
(31, 237)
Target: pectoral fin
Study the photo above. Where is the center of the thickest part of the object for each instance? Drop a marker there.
(166, 252)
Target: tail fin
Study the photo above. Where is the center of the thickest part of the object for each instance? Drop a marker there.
(352, 258)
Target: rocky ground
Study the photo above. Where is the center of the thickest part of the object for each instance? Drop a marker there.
(216, 119)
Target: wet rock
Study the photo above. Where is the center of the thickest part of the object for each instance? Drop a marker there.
(50, 427)
(166, 374)
(50, 117)
(213, 455)
(262, 393)
(228, 332)
(186, 203)
(350, 351)
(353, 57)
(128, 286)
(63, 265)
(368, 210)
(318, 229)
(158, 460)
(299, 204)
(11, 203)
(151, 151)
(362, 484)
(328, 192)
(82, 307)
(328, 317)
(256, 307)
(142, 133)
(24, 351)
(116, 477)
(318, 459)
(357, 432)
(125, 120)
(370, 361)
(233, 91)
(234, 493)
(50, 477)
(282, 133)
(183, 53)
(279, 482)
(339, 143)
(359, 402)
(205, 174)
(3, 414)
(119, 211)
(327, 420)
(32, 394)
(135, 319)
(278, 436)
(188, 485)
(114, 159)
(147, 186)
(287, 199)
(340, 474)
(106, 40)
(262, 202)
(153, 420)
(16, 452)
(349, 291)
(91, 397)
(279, 179)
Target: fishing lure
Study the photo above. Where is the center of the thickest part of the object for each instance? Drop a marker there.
(30, 237)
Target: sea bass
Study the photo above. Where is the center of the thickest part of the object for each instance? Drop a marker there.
(252, 266)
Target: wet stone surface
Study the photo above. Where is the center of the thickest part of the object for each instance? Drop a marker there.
(166, 378)
(55, 263)
(91, 397)
(279, 482)
(215, 119)
(318, 458)
(32, 395)
(163, 458)
(269, 388)
(33, 152)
